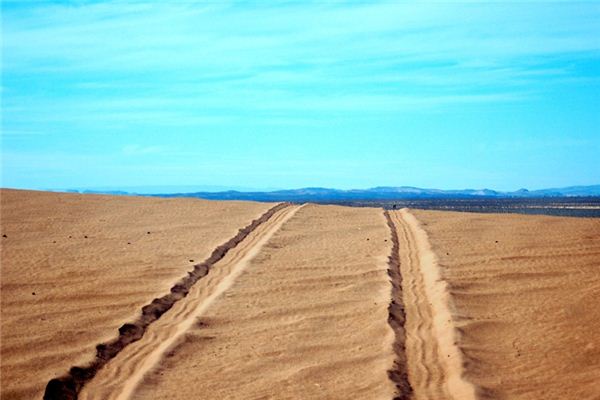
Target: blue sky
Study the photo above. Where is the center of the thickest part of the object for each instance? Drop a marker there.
(293, 94)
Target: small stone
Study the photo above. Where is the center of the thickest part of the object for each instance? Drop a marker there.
(148, 232)
(85, 236)
(33, 293)
(4, 236)
(191, 260)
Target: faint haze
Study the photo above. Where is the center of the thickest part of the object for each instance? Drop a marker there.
(265, 95)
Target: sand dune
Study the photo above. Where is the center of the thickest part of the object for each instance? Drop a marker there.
(76, 267)
(311, 302)
(526, 291)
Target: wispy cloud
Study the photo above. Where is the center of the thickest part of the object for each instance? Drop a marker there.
(291, 41)
(124, 77)
(192, 59)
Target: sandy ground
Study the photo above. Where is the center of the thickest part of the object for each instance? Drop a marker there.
(63, 293)
(119, 378)
(487, 305)
(526, 292)
(307, 318)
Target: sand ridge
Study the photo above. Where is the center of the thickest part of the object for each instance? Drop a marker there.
(119, 378)
(435, 363)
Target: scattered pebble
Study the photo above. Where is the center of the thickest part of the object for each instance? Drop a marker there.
(85, 236)
(128, 242)
(191, 260)
(33, 293)
(148, 232)
(4, 236)
(367, 238)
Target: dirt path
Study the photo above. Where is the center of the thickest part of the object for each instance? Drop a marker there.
(121, 375)
(434, 361)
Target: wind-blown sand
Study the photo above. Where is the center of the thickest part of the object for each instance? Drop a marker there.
(307, 318)
(63, 293)
(526, 291)
(298, 303)
(120, 377)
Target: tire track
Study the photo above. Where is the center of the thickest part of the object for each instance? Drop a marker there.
(69, 386)
(434, 361)
(119, 378)
(397, 317)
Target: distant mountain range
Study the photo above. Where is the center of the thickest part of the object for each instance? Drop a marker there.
(386, 193)
(154, 189)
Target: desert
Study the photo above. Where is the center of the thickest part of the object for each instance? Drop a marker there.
(294, 301)
(331, 199)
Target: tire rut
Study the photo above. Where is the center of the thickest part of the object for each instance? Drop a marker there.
(70, 385)
(120, 378)
(397, 318)
(434, 362)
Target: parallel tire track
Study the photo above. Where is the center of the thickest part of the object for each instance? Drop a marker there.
(434, 361)
(69, 386)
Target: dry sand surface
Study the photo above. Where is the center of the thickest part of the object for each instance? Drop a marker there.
(62, 293)
(526, 291)
(307, 318)
(299, 303)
